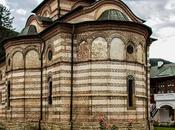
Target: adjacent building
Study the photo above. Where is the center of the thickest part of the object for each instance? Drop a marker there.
(74, 63)
(162, 84)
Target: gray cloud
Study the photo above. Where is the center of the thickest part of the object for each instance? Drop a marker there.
(152, 11)
(159, 15)
(22, 5)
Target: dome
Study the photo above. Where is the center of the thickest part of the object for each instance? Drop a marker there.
(29, 30)
(113, 14)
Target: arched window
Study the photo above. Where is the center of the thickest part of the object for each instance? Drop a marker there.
(8, 95)
(131, 91)
(50, 90)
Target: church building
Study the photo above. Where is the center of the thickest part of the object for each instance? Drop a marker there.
(77, 65)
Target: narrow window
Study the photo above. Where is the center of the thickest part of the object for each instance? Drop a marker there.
(8, 95)
(131, 93)
(0, 97)
(0, 75)
(50, 91)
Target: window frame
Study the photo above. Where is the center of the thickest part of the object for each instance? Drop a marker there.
(131, 94)
(50, 91)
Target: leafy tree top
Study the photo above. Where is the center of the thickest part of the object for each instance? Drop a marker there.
(5, 19)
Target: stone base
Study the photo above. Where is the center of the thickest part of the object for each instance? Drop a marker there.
(66, 126)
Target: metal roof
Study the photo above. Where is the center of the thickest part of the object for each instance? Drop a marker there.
(29, 30)
(113, 14)
(166, 70)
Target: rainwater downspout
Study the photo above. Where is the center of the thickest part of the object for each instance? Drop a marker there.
(59, 8)
(147, 89)
(41, 78)
(72, 77)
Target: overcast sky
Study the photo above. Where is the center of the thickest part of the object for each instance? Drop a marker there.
(159, 15)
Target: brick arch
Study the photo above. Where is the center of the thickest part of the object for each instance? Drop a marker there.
(95, 35)
(31, 47)
(46, 8)
(118, 35)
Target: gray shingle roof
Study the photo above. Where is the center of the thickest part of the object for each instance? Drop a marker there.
(167, 70)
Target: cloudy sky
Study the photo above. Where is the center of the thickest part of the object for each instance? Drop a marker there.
(159, 14)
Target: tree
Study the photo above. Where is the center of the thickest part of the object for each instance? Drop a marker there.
(5, 19)
(6, 29)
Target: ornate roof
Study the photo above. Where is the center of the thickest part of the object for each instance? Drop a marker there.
(113, 14)
(29, 30)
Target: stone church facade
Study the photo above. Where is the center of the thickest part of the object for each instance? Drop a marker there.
(75, 62)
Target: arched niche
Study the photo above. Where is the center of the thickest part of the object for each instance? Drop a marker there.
(32, 59)
(18, 60)
(83, 53)
(99, 49)
(117, 49)
(131, 51)
(139, 54)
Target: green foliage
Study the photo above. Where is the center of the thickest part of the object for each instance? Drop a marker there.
(114, 127)
(163, 128)
(102, 125)
(2, 128)
(5, 19)
(4, 34)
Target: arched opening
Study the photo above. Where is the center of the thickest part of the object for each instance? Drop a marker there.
(166, 114)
